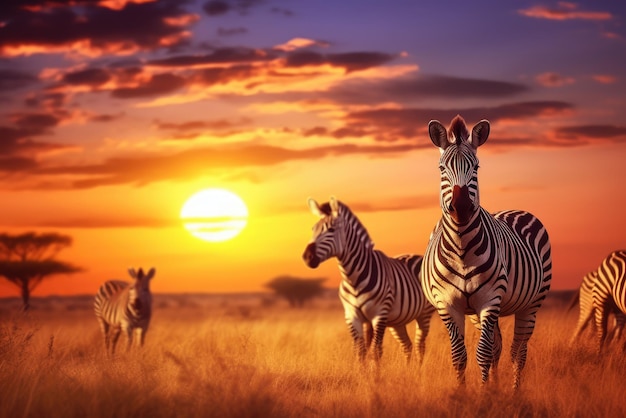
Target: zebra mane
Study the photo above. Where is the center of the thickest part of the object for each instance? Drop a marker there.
(458, 130)
(351, 218)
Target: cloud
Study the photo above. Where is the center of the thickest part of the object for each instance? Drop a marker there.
(90, 77)
(415, 87)
(199, 162)
(351, 61)
(591, 132)
(194, 129)
(551, 79)
(604, 78)
(222, 7)
(231, 55)
(35, 122)
(19, 150)
(14, 80)
(298, 43)
(564, 11)
(105, 221)
(395, 124)
(85, 28)
(157, 85)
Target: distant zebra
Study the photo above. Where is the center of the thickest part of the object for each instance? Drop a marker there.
(609, 292)
(124, 306)
(376, 291)
(586, 317)
(481, 264)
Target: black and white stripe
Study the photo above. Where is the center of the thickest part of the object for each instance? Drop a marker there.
(376, 291)
(586, 317)
(481, 264)
(122, 306)
(609, 292)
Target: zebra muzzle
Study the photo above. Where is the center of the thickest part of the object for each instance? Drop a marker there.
(309, 256)
(136, 305)
(461, 205)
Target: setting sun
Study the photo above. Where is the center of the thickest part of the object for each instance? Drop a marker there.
(214, 215)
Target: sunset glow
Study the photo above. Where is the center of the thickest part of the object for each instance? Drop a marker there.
(113, 113)
(214, 215)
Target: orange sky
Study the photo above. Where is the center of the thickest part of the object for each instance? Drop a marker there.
(104, 136)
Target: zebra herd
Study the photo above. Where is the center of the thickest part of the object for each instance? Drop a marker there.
(476, 264)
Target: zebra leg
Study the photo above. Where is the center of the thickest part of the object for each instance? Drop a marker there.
(114, 337)
(400, 334)
(601, 319)
(524, 327)
(497, 350)
(581, 326)
(368, 334)
(379, 325)
(455, 324)
(486, 342)
(356, 331)
(421, 332)
(129, 332)
(105, 332)
(142, 335)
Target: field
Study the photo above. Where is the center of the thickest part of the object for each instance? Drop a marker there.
(251, 356)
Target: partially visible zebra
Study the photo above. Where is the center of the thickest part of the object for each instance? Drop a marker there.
(122, 306)
(609, 292)
(376, 291)
(586, 317)
(481, 264)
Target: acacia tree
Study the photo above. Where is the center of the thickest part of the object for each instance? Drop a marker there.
(26, 259)
(295, 290)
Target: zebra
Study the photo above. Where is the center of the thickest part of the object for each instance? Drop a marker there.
(376, 291)
(124, 306)
(609, 293)
(586, 317)
(481, 264)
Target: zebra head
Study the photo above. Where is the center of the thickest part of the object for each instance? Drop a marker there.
(459, 197)
(328, 237)
(139, 297)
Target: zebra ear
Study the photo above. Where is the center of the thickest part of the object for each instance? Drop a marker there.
(315, 207)
(150, 274)
(334, 206)
(132, 273)
(480, 133)
(438, 134)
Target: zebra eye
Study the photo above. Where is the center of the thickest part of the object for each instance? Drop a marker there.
(331, 229)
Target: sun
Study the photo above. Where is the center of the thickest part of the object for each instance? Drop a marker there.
(214, 215)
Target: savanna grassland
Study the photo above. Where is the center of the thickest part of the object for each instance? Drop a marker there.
(245, 356)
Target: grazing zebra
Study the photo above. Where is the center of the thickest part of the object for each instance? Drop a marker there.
(481, 264)
(609, 292)
(376, 291)
(124, 306)
(586, 317)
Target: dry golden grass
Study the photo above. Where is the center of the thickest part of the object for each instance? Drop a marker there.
(243, 357)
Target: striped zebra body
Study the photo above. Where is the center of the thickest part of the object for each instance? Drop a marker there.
(376, 291)
(480, 264)
(586, 317)
(122, 306)
(609, 292)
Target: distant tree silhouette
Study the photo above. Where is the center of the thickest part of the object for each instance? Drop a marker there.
(26, 259)
(296, 290)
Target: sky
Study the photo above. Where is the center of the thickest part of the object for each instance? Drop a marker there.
(114, 112)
